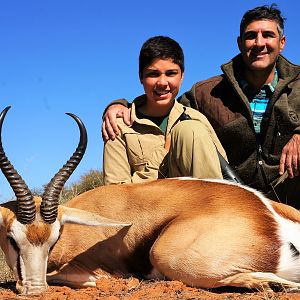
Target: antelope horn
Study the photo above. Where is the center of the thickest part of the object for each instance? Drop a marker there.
(25, 205)
(50, 197)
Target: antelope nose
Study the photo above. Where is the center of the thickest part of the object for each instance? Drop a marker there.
(27, 289)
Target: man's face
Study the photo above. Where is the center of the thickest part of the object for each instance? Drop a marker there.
(261, 44)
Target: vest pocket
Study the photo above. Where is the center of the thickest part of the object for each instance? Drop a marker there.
(283, 132)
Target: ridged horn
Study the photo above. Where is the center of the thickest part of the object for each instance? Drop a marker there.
(25, 205)
(50, 197)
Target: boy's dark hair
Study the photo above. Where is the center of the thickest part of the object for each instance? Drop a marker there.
(263, 12)
(160, 47)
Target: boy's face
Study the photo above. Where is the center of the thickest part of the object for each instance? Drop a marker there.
(261, 44)
(161, 80)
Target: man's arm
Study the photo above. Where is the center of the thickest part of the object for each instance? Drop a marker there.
(189, 98)
(290, 157)
(116, 109)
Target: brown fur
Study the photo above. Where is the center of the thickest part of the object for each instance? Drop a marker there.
(8, 214)
(38, 233)
(286, 211)
(149, 205)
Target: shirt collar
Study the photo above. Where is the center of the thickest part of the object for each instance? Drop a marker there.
(272, 85)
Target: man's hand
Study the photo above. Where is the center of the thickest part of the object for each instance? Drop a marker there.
(109, 124)
(290, 157)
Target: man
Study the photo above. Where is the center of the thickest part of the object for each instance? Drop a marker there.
(254, 107)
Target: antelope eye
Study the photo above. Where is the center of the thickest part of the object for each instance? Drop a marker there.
(13, 243)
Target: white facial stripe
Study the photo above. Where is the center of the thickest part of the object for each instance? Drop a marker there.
(33, 258)
(33, 265)
(54, 235)
(18, 232)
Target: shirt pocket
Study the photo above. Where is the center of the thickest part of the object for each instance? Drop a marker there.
(143, 149)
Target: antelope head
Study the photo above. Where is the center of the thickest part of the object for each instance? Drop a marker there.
(30, 226)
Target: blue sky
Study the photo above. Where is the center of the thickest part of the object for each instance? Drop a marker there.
(76, 56)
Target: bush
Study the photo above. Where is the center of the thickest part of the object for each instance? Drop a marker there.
(88, 181)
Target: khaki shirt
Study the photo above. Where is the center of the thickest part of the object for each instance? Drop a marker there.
(138, 152)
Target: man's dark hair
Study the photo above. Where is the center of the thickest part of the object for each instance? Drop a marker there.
(160, 47)
(264, 12)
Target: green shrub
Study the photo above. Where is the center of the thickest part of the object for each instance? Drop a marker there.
(88, 181)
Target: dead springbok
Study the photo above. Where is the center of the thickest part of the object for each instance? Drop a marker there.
(206, 233)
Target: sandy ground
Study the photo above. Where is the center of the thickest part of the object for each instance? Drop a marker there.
(114, 289)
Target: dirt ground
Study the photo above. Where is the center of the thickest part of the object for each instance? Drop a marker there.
(133, 289)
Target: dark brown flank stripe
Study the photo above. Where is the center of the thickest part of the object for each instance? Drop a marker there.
(16, 248)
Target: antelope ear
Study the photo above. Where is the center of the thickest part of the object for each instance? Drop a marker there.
(2, 213)
(5, 214)
(82, 217)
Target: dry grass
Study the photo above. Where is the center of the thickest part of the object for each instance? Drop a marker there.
(5, 273)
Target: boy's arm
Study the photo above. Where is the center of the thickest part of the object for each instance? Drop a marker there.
(116, 168)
